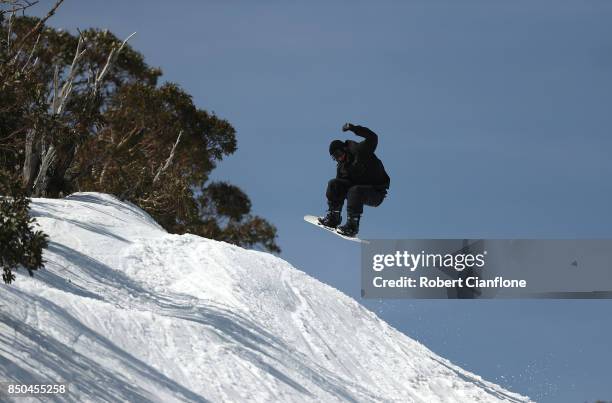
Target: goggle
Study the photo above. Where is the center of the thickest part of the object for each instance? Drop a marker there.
(337, 154)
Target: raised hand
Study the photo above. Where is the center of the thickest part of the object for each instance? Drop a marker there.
(346, 127)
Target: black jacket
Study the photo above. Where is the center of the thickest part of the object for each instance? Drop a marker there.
(362, 166)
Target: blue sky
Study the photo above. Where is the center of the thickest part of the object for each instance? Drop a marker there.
(494, 121)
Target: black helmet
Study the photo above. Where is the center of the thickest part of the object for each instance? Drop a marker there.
(335, 146)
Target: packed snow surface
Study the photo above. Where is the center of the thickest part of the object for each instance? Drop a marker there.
(125, 311)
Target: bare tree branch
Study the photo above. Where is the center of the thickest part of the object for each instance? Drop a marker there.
(58, 104)
(164, 167)
(17, 5)
(131, 139)
(54, 101)
(112, 56)
(38, 27)
(25, 65)
(10, 31)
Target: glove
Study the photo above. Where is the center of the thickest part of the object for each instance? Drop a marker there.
(346, 127)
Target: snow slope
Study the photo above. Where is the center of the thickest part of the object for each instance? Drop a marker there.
(127, 312)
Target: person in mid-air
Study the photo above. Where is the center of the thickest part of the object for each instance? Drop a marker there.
(360, 179)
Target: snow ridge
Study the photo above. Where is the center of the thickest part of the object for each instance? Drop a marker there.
(127, 312)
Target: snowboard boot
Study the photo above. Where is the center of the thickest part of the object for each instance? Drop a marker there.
(332, 219)
(351, 228)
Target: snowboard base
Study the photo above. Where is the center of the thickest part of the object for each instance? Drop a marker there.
(315, 221)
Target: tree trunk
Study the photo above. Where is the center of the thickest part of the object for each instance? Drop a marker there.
(42, 179)
(59, 180)
(32, 160)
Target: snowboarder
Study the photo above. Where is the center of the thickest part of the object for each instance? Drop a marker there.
(360, 179)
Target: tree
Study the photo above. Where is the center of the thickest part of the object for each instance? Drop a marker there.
(86, 113)
(20, 243)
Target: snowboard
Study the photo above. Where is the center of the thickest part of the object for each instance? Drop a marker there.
(315, 221)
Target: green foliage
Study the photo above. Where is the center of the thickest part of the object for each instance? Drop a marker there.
(20, 243)
(228, 201)
(120, 137)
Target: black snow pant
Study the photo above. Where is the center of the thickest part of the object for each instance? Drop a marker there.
(356, 195)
